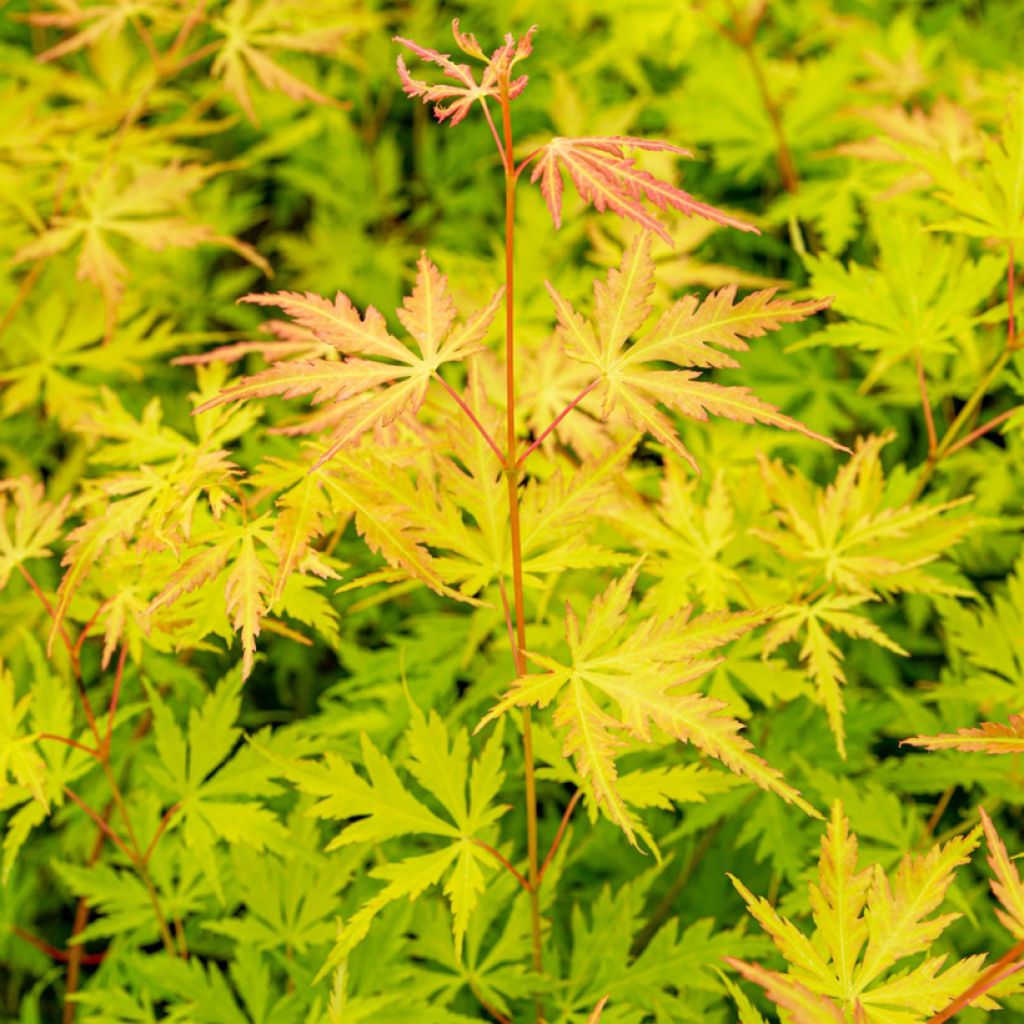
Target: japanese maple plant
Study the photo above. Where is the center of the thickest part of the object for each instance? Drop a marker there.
(422, 438)
(622, 678)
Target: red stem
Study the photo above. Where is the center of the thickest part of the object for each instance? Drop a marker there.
(160, 829)
(558, 419)
(561, 832)
(504, 863)
(473, 418)
(115, 696)
(60, 955)
(983, 429)
(987, 980)
(38, 591)
(101, 824)
(84, 634)
(71, 743)
(933, 440)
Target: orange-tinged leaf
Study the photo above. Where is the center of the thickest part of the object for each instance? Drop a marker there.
(605, 177)
(34, 526)
(630, 375)
(1006, 886)
(989, 737)
(802, 1005)
(247, 592)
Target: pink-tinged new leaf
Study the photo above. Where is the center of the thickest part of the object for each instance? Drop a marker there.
(988, 738)
(366, 393)
(605, 177)
(1006, 886)
(453, 102)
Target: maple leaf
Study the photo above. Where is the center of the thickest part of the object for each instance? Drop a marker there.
(249, 32)
(385, 808)
(865, 925)
(989, 737)
(605, 177)
(819, 652)
(453, 102)
(18, 756)
(370, 392)
(143, 210)
(684, 335)
(93, 22)
(640, 670)
(36, 524)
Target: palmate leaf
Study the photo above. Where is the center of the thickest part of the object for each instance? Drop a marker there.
(35, 524)
(606, 178)
(19, 758)
(638, 670)
(865, 925)
(369, 392)
(452, 102)
(819, 653)
(989, 738)
(145, 210)
(385, 808)
(686, 335)
(252, 31)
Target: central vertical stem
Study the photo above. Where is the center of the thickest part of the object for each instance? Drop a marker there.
(512, 476)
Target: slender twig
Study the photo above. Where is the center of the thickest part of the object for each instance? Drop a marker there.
(84, 632)
(558, 835)
(1002, 968)
(60, 955)
(102, 825)
(512, 476)
(936, 816)
(486, 1006)
(508, 621)
(926, 405)
(558, 419)
(505, 157)
(504, 863)
(472, 417)
(160, 829)
(1011, 287)
(115, 696)
(186, 29)
(68, 741)
(45, 601)
(665, 905)
(984, 429)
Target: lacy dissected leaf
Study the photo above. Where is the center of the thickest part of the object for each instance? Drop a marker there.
(34, 525)
(385, 808)
(368, 392)
(606, 178)
(93, 23)
(219, 792)
(989, 738)
(631, 378)
(865, 925)
(1006, 886)
(855, 535)
(819, 653)
(987, 196)
(921, 297)
(19, 758)
(640, 670)
(453, 100)
(146, 210)
(252, 31)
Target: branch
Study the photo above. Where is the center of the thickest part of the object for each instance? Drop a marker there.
(561, 832)
(1002, 968)
(473, 418)
(983, 429)
(504, 863)
(101, 824)
(558, 419)
(929, 419)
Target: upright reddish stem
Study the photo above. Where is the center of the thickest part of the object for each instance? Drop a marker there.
(512, 476)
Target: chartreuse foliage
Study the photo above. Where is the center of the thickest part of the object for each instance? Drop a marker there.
(364, 628)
